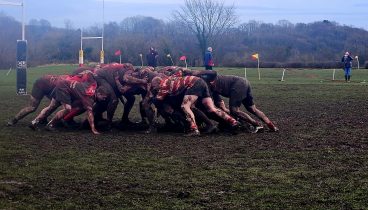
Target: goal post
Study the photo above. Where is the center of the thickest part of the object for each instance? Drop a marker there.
(102, 53)
(81, 53)
(102, 57)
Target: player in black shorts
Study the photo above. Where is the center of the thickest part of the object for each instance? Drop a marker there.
(239, 92)
(42, 87)
(194, 88)
(69, 92)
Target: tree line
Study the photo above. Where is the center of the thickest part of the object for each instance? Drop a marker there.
(284, 44)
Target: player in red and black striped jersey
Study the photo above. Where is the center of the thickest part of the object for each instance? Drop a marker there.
(171, 109)
(42, 87)
(175, 85)
(194, 88)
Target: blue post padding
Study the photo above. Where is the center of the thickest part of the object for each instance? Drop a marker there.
(22, 67)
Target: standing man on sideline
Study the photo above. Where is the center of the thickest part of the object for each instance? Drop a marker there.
(208, 62)
(348, 61)
(152, 57)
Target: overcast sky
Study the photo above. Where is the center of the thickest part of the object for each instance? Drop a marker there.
(84, 13)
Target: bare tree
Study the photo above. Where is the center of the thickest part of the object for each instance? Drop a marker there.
(207, 19)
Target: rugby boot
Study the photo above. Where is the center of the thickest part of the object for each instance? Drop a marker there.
(43, 121)
(127, 122)
(50, 126)
(259, 129)
(34, 125)
(191, 133)
(210, 129)
(12, 122)
(151, 129)
(143, 122)
(70, 124)
(235, 127)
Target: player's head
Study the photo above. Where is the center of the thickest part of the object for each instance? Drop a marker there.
(155, 84)
(128, 66)
(101, 93)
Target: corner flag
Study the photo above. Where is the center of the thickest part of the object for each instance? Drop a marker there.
(255, 56)
(118, 52)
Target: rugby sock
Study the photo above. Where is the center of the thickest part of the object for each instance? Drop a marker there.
(71, 114)
(271, 126)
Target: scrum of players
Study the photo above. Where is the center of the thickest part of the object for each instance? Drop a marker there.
(188, 99)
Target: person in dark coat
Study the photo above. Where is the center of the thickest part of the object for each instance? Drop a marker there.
(347, 60)
(152, 57)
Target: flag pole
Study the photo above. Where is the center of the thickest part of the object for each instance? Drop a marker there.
(333, 74)
(141, 59)
(259, 72)
(245, 72)
(169, 56)
(172, 60)
(120, 58)
(186, 64)
(9, 71)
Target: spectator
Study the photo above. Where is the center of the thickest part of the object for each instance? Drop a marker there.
(208, 62)
(152, 57)
(347, 60)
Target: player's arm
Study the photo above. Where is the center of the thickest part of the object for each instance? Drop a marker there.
(118, 83)
(129, 79)
(88, 104)
(91, 121)
(219, 102)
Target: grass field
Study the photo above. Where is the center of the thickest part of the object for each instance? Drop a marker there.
(318, 160)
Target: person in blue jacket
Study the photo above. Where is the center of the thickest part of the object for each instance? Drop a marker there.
(208, 62)
(347, 60)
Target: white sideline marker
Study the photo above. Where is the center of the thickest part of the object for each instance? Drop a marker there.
(245, 72)
(8, 71)
(283, 75)
(141, 56)
(333, 74)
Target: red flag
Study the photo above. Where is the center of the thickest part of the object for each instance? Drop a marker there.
(117, 52)
(183, 58)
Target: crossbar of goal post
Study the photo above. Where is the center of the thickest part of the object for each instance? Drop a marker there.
(102, 54)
